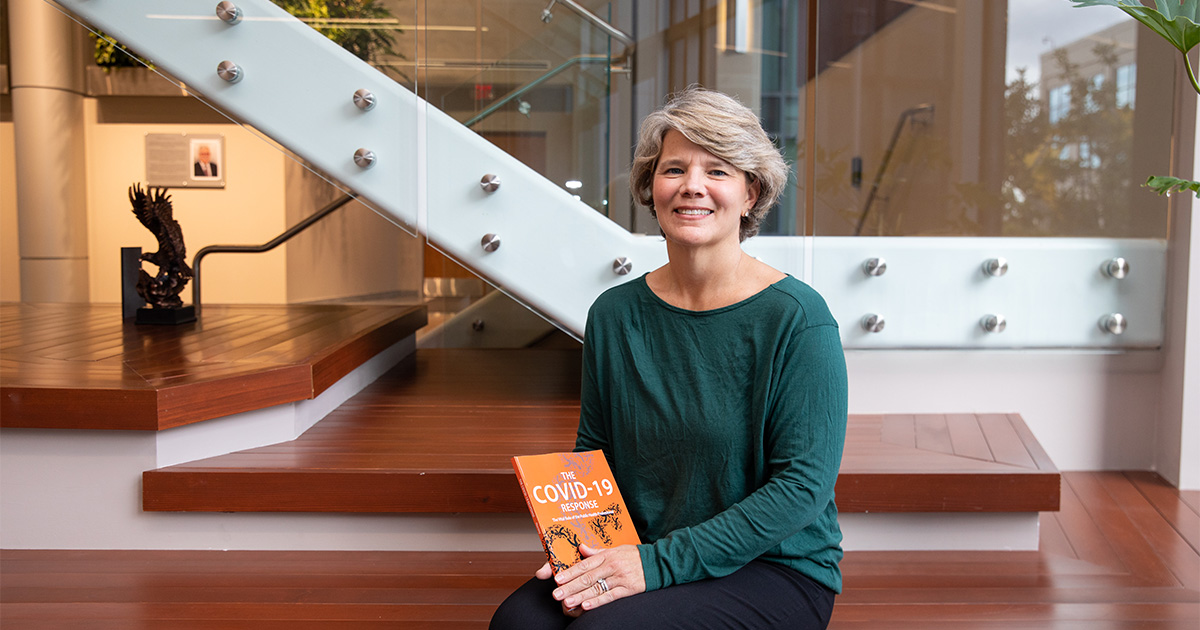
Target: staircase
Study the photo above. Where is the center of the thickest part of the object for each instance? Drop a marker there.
(436, 434)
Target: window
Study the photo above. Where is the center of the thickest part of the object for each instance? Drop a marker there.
(1088, 159)
(1126, 85)
(1094, 87)
(1060, 102)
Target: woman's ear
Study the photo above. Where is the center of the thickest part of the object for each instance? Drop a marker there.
(752, 192)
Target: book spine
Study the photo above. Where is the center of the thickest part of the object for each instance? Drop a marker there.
(516, 462)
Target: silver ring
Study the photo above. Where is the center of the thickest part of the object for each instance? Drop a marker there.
(603, 585)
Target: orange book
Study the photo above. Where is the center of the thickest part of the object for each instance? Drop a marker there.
(574, 500)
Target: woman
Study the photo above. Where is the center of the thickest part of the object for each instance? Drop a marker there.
(716, 387)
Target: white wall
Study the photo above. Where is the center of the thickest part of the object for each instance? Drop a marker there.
(1189, 434)
(1178, 448)
(82, 490)
(1089, 410)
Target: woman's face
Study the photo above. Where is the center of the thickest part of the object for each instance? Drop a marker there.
(699, 198)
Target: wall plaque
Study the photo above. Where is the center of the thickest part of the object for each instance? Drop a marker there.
(185, 160)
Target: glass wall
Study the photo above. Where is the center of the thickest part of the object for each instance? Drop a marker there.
(958, 118)
(931, 117)
(533, 81)
(902, 117)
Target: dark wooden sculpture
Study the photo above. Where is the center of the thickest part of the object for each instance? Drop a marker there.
(153, 208)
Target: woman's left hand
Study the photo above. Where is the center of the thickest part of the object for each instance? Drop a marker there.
(618, 568)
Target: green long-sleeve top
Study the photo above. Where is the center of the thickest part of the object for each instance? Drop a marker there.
(724, 428)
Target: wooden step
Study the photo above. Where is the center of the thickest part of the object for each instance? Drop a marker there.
(436, 434)
(1121, 554)
(80, 366)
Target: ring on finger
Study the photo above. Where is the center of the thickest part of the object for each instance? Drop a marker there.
(602, 584)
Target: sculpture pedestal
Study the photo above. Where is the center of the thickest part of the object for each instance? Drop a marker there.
(166, 316)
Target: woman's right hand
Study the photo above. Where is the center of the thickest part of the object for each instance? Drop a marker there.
(545, 573)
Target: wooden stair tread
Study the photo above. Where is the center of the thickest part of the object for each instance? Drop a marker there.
(436, 434)
(79, 366)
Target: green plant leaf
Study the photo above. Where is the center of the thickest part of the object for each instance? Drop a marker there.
(1175, 22)
(1164, 185)
(1167, 8)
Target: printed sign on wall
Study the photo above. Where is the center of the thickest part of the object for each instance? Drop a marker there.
(185, 160)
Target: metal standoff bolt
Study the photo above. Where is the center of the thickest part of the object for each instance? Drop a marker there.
(993, 323)
(995, 267)
(230, 71)
(490, 242)
(229, 12)
(1114, 323)
(873, 323)
(365, 158)
(477, 325)
(1116, 268)
(874, 266)
(622, 266)
(364, 100)
(490, 183)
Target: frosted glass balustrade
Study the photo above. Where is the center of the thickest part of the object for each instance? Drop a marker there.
(935, 292)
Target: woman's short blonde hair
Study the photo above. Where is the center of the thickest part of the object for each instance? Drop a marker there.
(723, 127)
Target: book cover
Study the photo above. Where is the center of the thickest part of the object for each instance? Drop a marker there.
(574, 500)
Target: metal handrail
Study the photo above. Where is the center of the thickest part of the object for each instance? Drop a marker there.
(594, 19)
(517, 93)
(887, 158)
(265, 247)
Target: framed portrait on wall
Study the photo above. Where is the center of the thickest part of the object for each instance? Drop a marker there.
(206, 159)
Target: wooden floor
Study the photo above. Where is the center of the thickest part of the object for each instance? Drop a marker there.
(79, 366)
(1121, 554)
(437, 435)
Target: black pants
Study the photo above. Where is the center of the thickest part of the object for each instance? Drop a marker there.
(760, 595)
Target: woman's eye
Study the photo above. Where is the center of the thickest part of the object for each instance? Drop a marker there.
(672, 170)
(718, 172)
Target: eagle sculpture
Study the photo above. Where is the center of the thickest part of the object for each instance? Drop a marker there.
(153, 208)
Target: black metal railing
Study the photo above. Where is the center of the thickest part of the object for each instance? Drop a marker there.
(265, 247)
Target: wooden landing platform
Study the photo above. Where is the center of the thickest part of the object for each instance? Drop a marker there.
(436, 435)
(1121, 555)
(79, 366)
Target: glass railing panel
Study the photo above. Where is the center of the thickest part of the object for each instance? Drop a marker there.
(292, 154)
(540, 92)
(557, 124)
(960, 119)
